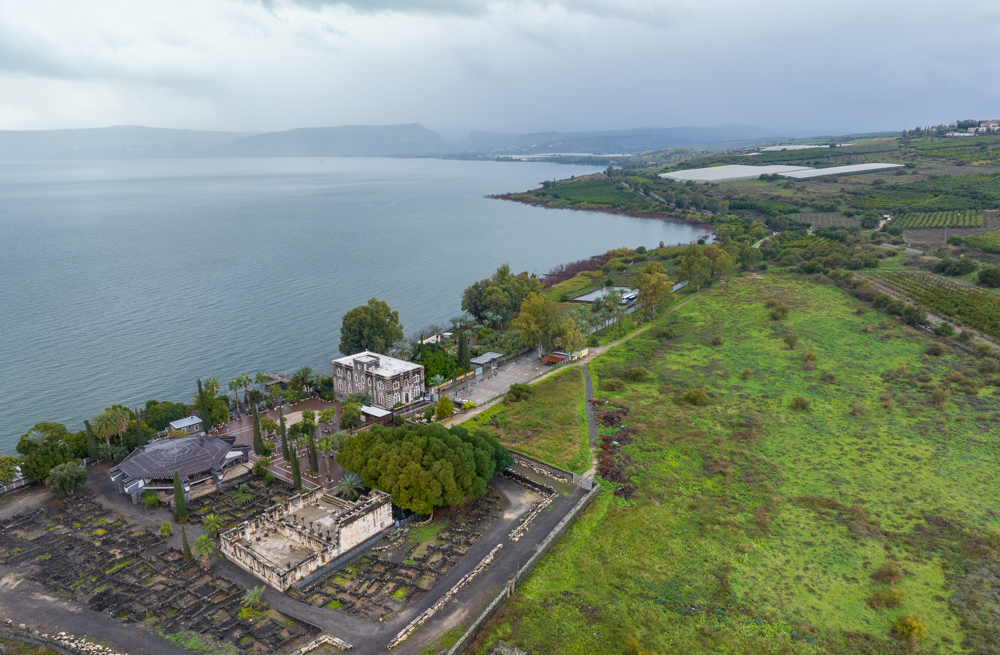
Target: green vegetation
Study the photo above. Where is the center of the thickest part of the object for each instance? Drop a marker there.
(596, 193)
(11, 647)
(373, 327)
(746, 526)
(425, 466)
(550, 423)
(941, 219)
(66, 478)
(989, 242)
(199, 643)
(978, 308)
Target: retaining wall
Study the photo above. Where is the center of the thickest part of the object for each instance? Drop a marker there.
(543, 548)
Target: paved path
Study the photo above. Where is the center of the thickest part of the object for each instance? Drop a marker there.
(591, 424)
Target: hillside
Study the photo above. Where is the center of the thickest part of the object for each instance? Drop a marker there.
(768, 495)
(345, 141)
(119, 142)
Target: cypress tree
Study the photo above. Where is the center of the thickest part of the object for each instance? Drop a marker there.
(296, 473)
(180, 507)
(185, 547)
(258, 441)
(463, 351)
(91, 442)
(140, 434)
(206, 416)
(284, 435)
(313, 455)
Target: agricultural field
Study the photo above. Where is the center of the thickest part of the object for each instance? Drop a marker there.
(784, 496)
(550, 425)
(968, 218)
(810, 241)
(594, 192)
(975, 307)
(829, 219)
(989, 242)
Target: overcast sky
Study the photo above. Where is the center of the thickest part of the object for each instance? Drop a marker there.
(504, 65)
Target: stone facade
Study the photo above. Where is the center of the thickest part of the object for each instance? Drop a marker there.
(293, 540)
(386, 379)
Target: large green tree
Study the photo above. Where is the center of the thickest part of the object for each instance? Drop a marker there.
(66, 478)
(655, 288)
(497, 299)
(539, 320)
(48, 455)
(373, 327)
(426, 466)
(258, 440)
(158, 415)
(463, 351)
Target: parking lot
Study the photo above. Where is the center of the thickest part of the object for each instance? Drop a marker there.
(495, 383)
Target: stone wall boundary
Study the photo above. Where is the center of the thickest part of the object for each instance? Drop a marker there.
(523, 572)
(542, 468)
(61, 643)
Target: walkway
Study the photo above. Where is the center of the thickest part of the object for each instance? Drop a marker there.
(591, 424)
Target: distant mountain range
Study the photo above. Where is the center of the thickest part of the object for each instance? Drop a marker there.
(412, 140)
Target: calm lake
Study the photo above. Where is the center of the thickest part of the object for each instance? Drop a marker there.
(128, 280)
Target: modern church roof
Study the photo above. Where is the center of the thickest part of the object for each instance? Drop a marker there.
(186, 455)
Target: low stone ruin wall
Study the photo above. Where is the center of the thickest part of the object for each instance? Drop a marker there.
(543, 548)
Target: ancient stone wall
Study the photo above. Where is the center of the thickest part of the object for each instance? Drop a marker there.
(365, 520)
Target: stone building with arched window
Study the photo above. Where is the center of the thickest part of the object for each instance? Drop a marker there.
(385, 379)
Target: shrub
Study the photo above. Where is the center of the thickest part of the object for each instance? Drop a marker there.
(791, 339)
(939, 397)
(428, 413)
(593, 341)
(800, 403)
(890, 572)
(468, 404)
(613, 384)
(771, 302)
(964, 336)
(150, 500)
(634, 374)
(444, 408)
(934, 350)
(779, 312)
(809, 365)
(166, 529)
(944, 329)
(260, 466)
(910, 629)
(987, 367)
(827, 376)
(716, 341)
(746, 374)
(892, 598)
(518, 392)
(696, 397)
(858, 408)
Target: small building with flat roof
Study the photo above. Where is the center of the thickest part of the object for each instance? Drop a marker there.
(487, 360)
(376, 415)
(385, 379)
(189, 424)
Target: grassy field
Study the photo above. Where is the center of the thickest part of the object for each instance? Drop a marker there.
(551, 425)
(756, 527)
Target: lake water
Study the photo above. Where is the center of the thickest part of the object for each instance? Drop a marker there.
(128, 280)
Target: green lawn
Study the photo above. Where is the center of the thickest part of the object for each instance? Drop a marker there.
(756, 528)
(551, 425)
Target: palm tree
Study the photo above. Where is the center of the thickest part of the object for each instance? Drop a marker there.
(204, 547)
(246, 382)
(211, 387)
(349, 487)
(254, 597)
(105, 426)
(316, 380)
(122, 416)
(261, 379)
(302, 376)
(234, 386)
(35, 436)
(212, 523)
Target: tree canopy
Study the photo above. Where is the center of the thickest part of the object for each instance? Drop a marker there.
(49, 454)
(540, 322)
(158, 415)
(654, 288)
(436, 361)
(425, 466)
(373, 327)
(8, 469)
(497, 299)
(66, 478)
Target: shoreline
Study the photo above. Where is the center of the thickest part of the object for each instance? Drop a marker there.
(534, 202)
